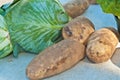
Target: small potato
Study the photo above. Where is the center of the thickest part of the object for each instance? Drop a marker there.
(75, 8)
(101, 45)
(55, 59)
(116, 57)
(78, 29)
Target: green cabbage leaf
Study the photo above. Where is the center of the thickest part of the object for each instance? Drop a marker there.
(1, 11)
(35, 24)
(5, 44)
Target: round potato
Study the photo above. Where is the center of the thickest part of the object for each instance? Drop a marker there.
(78, 29)
(75, 8)
(101, 45)
(116, 57)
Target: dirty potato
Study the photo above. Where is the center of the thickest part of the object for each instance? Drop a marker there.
(75, 8)
(55, 59)
(78, 29)
(101, 45)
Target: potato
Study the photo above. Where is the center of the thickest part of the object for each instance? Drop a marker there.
(75, 8)
(101, 45)
(116, 57)
(78, 29)
(55, 59)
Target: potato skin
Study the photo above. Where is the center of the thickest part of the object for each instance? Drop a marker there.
(75, 8)
(101, 45)
(78, 29)
(55, 59)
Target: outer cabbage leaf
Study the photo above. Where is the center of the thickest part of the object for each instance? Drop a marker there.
(110, 6)
(35, 24)
(5, 44)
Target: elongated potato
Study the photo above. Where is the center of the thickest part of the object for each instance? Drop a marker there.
(101, 45)
(75, 8)
(55, 59)
(78, 29)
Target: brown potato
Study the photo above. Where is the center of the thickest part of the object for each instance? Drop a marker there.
(75, 8)
(116, 57)
(55, 59)
(78, 29)
(101, 45)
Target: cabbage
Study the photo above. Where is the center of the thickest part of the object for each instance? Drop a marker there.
(5, 44)
(1, 11)
(35, 24)
(110, 6)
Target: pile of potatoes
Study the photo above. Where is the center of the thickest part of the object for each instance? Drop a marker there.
(80, 41)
